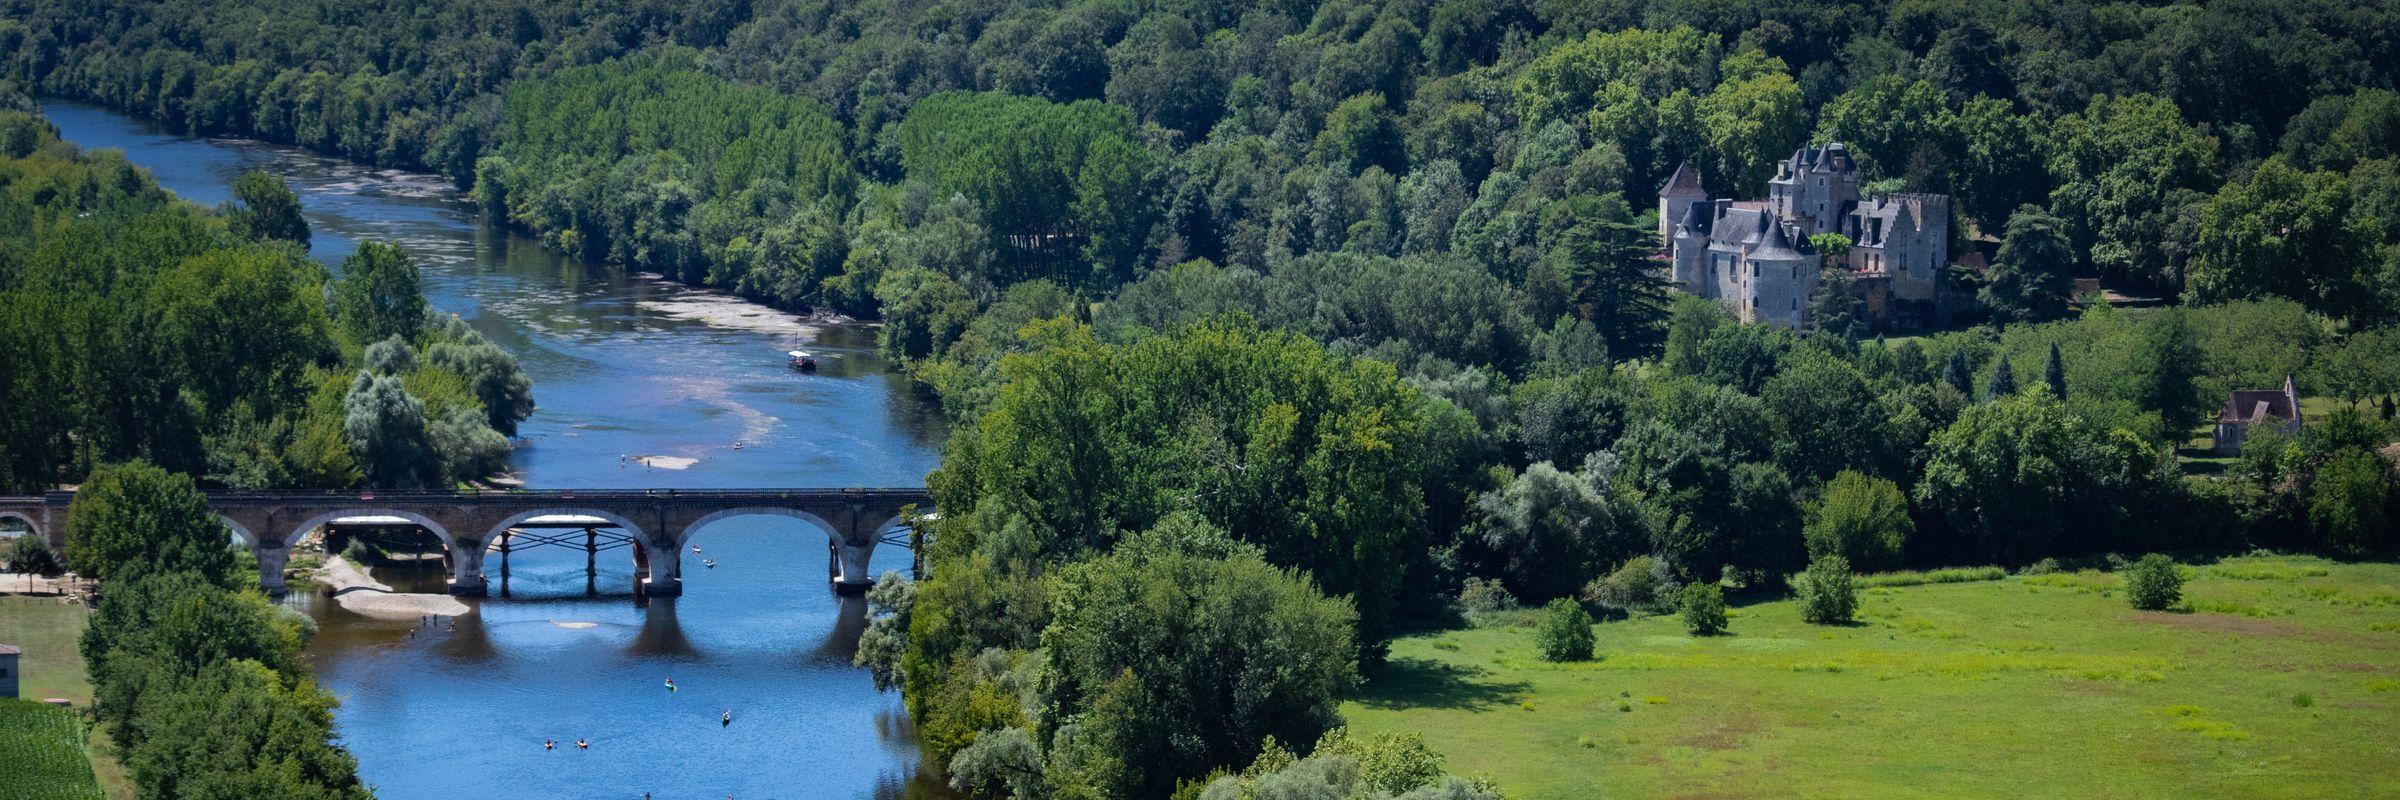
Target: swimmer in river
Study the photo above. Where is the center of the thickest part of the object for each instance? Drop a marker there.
(728, 721)
(695, 549)
(712, 563)
(580, 744)
(549, 744)
(670, 683)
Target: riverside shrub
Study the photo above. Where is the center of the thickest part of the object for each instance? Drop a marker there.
(1828, 596)
(1704, 609)
(2153, 583)
(1566, 632)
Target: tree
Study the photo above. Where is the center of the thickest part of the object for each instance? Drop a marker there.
(1834, 306)
(2022, 478)
(1177, 661)
(2350, 502)
(1827, 594)
(2285, 233)
(2003, 382)
(1546, 528)
(30, 554)
(2033, 274)
(2152, 583)
(1818, 399)
(1958, 373)
(391, 356)
(1704, 609)
(1861, 518)
(1602, 256)
(266, 209)
(135, 519)
(2054, 373)
(386, 428)
(1566, 631)
(2167, 364)
(379, 294)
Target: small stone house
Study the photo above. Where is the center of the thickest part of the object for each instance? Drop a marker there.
(2248, 407)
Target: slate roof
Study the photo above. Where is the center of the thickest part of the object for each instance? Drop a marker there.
(1684, 183)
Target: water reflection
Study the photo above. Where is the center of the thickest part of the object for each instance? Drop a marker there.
(623, 365)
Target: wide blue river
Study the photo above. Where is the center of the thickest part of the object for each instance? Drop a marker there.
(623, 365)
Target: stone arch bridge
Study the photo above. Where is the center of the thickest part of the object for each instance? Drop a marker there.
(659, 521)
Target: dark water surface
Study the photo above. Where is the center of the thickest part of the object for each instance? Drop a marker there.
(621, 367)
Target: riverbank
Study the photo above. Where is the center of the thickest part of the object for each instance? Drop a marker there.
(359, 593)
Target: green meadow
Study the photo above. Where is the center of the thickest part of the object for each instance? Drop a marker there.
(2276, 677)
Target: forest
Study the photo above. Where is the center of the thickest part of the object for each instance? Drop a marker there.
(135, 326)
(1272, 331)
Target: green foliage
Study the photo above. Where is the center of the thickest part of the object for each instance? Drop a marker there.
(1642, 583)
(379, 295)
(31, 554)
(1827, 594)
(2024, 477)
(1051, 174)
(1704, 609)
(2034, 270)
(135, 519)
(266, 209)
(2153, 582)
(2351, 502)
(1313, 457)
(1861, 518)
(1546, 529)
(1566, 631)
(2285, 233)
(1176, 662)
(1485, 596)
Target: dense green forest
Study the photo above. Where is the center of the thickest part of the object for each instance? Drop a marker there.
(1272, 330)
(137, 326)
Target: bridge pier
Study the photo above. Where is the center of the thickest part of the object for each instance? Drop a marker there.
(466, 568)
(666, 568)
(850, 575)
(272, 556)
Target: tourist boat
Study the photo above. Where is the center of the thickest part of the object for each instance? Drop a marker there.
(802, 361)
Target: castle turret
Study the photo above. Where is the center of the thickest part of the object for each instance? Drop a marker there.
(1675, 200)
(1687, 249)
(1782, 274)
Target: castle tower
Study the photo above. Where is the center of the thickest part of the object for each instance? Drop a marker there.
(1687, 250)
(1782, 275)
(1675, 200)
(1815, 188)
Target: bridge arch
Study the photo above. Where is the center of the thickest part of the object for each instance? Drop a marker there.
(243, 532)
(32, 526)
(439, 531)
(519, 518)
(833, 533)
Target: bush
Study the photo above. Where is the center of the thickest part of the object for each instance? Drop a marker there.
(1828, 596)
(2153, 583)
(29, 553)
(1704, 609)
(1642, 583)
(1566, 632)
(1483, 596)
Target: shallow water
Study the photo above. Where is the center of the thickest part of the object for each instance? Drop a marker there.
(623, 366)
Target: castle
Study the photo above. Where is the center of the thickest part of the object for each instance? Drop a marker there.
(1754, 256)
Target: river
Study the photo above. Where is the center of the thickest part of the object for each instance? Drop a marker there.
(622, 365)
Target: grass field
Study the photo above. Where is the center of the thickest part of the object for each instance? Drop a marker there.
(2280, 678)
(51, 633)
(41, 754)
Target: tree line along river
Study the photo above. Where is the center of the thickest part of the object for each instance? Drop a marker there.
(624, 366)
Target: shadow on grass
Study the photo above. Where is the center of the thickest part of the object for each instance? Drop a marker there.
(1422, 683)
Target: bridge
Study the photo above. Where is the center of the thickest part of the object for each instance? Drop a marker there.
(471, 524)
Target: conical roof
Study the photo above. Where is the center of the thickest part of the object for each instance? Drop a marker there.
(1775, 246)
